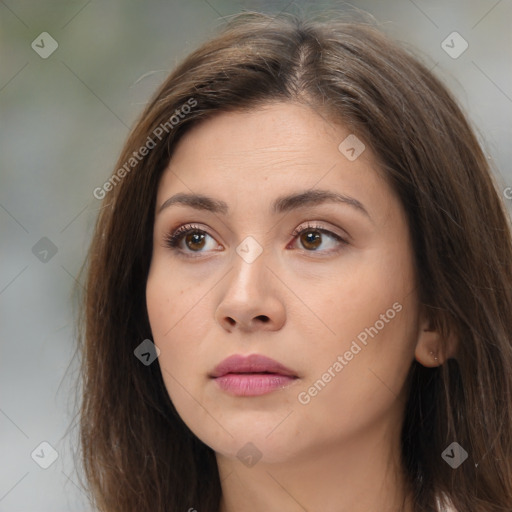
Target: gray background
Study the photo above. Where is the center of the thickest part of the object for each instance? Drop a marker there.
(64, 119)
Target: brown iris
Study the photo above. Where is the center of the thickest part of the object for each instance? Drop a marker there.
(311, 239)
(195, 237)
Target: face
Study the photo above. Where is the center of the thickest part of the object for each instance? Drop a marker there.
(322, 284)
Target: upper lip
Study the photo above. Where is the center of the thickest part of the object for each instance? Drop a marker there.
(254, 363)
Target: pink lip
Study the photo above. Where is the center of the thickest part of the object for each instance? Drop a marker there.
(251, 375)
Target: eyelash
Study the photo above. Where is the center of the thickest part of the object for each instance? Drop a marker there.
(172, 240)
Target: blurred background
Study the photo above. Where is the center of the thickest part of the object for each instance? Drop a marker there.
(74, 77)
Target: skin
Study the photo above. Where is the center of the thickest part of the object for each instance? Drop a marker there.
(340, 451)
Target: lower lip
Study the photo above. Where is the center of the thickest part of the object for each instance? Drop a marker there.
(252, 384)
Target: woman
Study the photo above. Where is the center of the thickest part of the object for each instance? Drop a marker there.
(299, 288)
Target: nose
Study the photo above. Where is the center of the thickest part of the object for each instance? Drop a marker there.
(251, 298)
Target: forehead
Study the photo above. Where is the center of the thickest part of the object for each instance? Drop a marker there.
(273, 133)
(265, 153)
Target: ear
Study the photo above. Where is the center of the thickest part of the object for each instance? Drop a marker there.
(432, 348)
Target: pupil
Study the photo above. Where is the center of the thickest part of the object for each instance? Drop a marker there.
(311, 238)
(196, 238)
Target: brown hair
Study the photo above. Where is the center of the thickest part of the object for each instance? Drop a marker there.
(137, 453)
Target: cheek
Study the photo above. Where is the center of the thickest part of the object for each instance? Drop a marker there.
(366, 292)
(158, 303)
(373, 319)
(179, 325)
(168, 300)
(177, 318)
(162, 300)
(365, 387)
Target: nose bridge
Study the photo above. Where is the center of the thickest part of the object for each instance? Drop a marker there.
(250, 267)
(249, 298)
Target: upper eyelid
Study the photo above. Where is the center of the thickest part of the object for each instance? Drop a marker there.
(319, 225)
(191, 226)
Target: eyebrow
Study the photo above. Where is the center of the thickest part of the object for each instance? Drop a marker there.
(281, 204)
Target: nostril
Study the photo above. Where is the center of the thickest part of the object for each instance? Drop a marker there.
(263, 318)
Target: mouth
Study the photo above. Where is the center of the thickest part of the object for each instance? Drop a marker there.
(252, 375)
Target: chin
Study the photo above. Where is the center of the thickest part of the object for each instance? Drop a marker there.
(250, 443)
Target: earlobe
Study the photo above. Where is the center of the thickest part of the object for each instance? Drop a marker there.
(432, 349)
(428, 349)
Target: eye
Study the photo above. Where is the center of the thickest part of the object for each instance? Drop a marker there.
(311, 237)
(193, 237)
